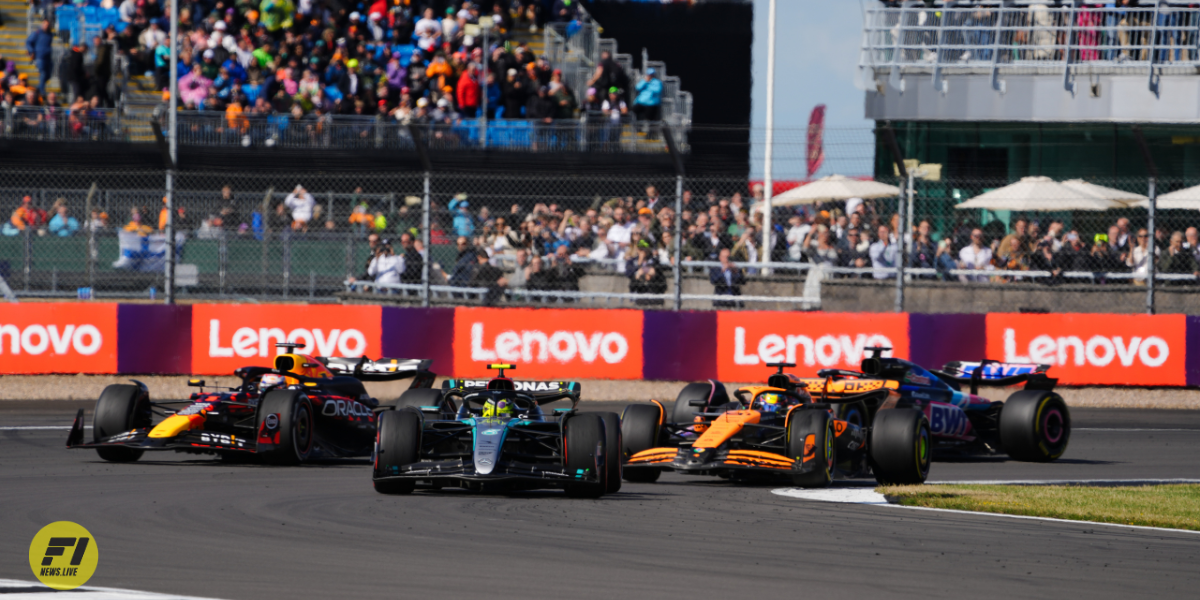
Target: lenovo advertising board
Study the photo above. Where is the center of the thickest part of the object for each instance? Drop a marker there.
(1086, 349)
(228, 336)
(747, 341)
(549, 343)
(75, 337)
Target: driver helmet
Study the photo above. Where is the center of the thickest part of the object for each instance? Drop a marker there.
(768, 403)
(270, 380)
(499, 408)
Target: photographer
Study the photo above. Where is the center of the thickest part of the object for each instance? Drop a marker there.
(386, 266)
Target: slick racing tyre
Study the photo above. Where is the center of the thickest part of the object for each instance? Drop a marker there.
(854, 413)
(612, 452)
(900, 446)
(121, 408)
(810, 440)
(397, 443)
(639, 432)
(583, 437)
(1035, 425)
(418, 398)
(681, 412)
(296, 426)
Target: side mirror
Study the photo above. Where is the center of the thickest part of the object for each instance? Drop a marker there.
(195, 383)
(698, 403)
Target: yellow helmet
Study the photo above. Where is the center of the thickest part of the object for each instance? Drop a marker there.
(499, 408)
(768, 403)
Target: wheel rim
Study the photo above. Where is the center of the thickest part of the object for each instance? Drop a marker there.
(923, 450)
(829, 449)
(302, 430)
(1053, 426)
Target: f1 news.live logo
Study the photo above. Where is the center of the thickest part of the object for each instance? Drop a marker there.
(57, 547)
(63, 555)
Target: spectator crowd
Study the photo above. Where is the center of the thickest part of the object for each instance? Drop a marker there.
(411, 60)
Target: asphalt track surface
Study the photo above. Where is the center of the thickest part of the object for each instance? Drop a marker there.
(179, 524)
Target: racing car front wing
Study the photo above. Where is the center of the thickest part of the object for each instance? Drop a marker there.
(698, 461)
(510, 474)
(196, 440)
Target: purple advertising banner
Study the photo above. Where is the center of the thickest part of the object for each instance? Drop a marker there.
(679, 346)
(420, 333)
(153, 338)
(934, 340)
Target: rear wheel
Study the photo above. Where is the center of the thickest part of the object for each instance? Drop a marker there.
(612, 452)
(1035, 425)
(583, 445)
(810, 440)
(682, 412)
(639, 432)
(900, 446)
(297, 434)
(398, 443)
(121, 408)
(854, 413)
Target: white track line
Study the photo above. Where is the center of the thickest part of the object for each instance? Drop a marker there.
(38, 427)
(871, 497)
(82, 593)
(1066, 482)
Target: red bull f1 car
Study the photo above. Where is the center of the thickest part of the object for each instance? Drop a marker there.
(493, 435)
(786, 428)
(1033, 424)
(303, 408)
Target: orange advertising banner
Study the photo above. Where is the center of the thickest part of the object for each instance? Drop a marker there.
(549, 343)
(747, 341)
(228, 336)
(1085, 349)
(57, 337)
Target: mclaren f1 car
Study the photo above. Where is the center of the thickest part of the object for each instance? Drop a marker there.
(786, 428)
(1033, 424)
(303, 408)
(493, 435)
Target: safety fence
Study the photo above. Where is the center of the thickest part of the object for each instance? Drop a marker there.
(473, 239)
(556, 343)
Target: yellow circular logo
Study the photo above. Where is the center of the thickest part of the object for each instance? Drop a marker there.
(63, 555)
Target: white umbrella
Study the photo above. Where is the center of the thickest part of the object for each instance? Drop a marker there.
(1186, 199)
(1039, 194)
(834, 187)
(1128, 198)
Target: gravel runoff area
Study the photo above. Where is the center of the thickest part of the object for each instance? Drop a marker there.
(88, 387)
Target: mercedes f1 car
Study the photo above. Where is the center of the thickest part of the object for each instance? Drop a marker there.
(1033, 424)
(785, 428)
(304, 408)
(494, 436)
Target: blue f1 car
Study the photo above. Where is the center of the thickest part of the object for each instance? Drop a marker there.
(494, 436)
(1032, 425)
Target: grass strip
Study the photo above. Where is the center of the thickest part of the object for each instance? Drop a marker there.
(1171, 506)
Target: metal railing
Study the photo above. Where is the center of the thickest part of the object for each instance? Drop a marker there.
(1030, 38)
(45, 123)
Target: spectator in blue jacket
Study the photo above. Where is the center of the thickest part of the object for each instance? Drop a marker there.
(647, 107)
(464, 223)
(39, 46)
(63, 224)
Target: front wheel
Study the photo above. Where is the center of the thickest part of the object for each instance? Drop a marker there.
(1035, 426)
(583, 446)
(612, 452)
(810, 443)
(397, 443)
(900, 446)
(121, 408)
(293, 426)
(639, 432)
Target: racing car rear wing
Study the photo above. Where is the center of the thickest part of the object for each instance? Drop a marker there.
(841, 391)
(543, 392)
(382, 369)
(997, 373)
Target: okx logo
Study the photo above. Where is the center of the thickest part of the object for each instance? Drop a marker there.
(63, 555)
